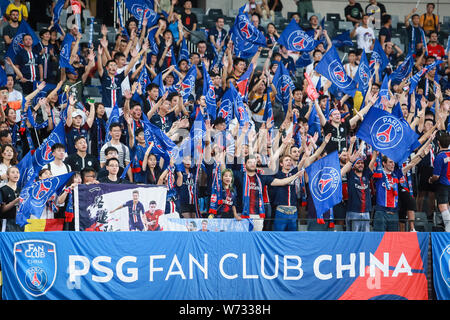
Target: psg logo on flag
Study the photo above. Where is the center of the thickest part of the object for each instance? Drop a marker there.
(35, 265)
(137, 10)
(364, 75)
(17, 42)
(325, 183)
(338, 74)
(374, 58)
(243, 26)
(386, 132)
(299, 40)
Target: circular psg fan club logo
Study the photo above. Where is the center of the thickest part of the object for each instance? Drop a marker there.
(444, 264)
(299, 40)
(244, 27)
(338, 74)
(325, 183)
(386, 132)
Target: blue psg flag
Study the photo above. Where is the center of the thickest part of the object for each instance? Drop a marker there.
(378, 56)
(209, 94)
(383, 95)
(342, 40)
(386, 133)
(239, 108)
(226, 106)
(284, 84)
(325, 184)
(142, 9)
(242, 48)
(244, 81)
(314, 122)
(113, 117)
(295, 39)
(268, 111)
(3, 5)
(17, 44)
(330, 67)
(244, 29)
(362, 76)
(187, 86)
(26, 170)
(184, 52)
(403, 70)
(159, 81)
(303, 60)
(66, 48)
(57, 9)
(43, 155)
(34, 197)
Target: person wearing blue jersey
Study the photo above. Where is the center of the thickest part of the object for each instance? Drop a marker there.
(111, 80)
(441, 176)
(359, 204)
(187, 189)
(27, 61)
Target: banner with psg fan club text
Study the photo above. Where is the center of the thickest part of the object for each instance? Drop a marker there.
(238, 266)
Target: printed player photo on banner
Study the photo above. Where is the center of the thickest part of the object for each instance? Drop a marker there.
(122, 207)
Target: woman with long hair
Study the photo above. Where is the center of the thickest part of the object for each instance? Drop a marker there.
(8, 158)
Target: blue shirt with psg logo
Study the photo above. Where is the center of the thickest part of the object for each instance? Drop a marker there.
(28, 62)
(111, 89)
(359, 197)
(284, 195)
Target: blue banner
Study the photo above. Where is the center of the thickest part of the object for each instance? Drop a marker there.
(214, 265)
(440, 246)
(295, 39)
(387, 134)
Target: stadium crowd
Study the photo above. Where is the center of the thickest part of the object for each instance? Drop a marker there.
(252, 170)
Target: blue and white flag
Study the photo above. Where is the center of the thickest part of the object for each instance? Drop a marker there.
(138, 7)
(159, 81)
(362, 76)
(325, 184)
(3, 77)
(187, 86)
(284, 85)
(184, 51)
(226, 106)
(244, 29)
(295, 39)
(239, 108)
(17, 44)
(113, 118)
(64, 55)
(387, 134)
(43, 154)
(384, 94)
(330, 67)
(57, 9)
(242, 48)
(33, 198)
(342, 40)
(303, 60)
(209, 94)
(403, 70)
(378, 56)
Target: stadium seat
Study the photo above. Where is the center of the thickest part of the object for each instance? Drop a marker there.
(333, 17)
(446, 21)
(421, 223)
(345, 25)
(215, 12)
(395, 20)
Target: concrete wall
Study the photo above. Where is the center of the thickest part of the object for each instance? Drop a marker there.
(396, 7)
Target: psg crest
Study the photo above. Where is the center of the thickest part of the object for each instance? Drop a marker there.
(300, 40)
(35, 265)
(386, 132)
(338, 74)
(325, 183)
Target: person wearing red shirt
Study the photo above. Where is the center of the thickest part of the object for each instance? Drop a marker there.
(434, 48)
